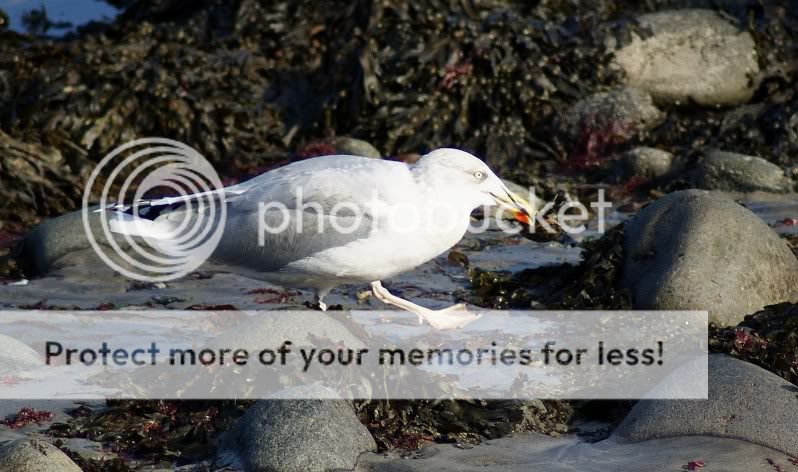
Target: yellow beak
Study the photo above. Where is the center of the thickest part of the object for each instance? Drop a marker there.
(515, 207)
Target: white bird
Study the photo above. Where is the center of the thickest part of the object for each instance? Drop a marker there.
(335, 220)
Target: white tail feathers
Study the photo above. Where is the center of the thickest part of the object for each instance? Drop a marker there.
(124, 223)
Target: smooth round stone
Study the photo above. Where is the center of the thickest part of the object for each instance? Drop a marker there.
(692, 54)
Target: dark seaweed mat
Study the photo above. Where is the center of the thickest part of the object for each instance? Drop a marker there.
(182, 431)
(767, 338)
(404, 424)
(590, 285)
(94, 465)
(175, 431)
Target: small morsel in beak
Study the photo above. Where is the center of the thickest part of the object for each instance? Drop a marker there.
(518, 209)
(551, 231)
(539, 233)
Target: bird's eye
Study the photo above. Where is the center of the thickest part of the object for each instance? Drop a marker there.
(479, 176)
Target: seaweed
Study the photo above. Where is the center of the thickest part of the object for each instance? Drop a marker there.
(93, 465)
(592, 284)
(694, 465)
(407, 424)
(767, 338)
(26, 416)
(37, 178)
(180, 431)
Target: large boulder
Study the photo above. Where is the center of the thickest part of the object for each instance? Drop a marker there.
(721, 170)
(34, 455)
(695, 250)
(745, 402)
(297, 434)
(691, 54)
(49, 245)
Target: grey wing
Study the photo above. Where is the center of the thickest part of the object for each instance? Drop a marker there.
(267, 241)
(284, 218)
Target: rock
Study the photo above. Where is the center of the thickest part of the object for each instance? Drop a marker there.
(297, 434)
(355, 147)
(34, 455)
(721, 170)
(647, 162)
(47, 244)
(692, 54)
(618, 111)
(745, 402)
(694, 250)
(16, 355)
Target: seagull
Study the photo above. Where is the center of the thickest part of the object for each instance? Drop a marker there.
(340, 219)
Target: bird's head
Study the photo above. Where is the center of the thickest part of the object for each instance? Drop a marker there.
(472, 181)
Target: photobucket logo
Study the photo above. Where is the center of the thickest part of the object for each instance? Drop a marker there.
(426, 217)
(160, 199)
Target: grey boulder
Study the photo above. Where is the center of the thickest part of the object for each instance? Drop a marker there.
(618, 111)
(647, 162)
(694, 250)
(721, 170)
(745, 402)
(34, 455)
(691, 54)
(49, 245)
(297, 434)
(355, 147)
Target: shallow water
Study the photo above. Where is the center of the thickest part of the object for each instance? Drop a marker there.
(780, 215)
(76, 12)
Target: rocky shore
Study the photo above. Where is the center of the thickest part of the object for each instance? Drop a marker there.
(684, 112)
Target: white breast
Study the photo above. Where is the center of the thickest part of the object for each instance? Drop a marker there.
(420, 229)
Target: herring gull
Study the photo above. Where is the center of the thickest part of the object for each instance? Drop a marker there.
(332, 220)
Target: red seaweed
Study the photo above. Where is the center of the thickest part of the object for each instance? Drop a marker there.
(26, 416)
(593, 146)
(693, 465)
(776, 466)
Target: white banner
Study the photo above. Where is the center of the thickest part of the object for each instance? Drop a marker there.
(354, 355)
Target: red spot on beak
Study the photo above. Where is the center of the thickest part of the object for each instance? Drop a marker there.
(521, 216)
